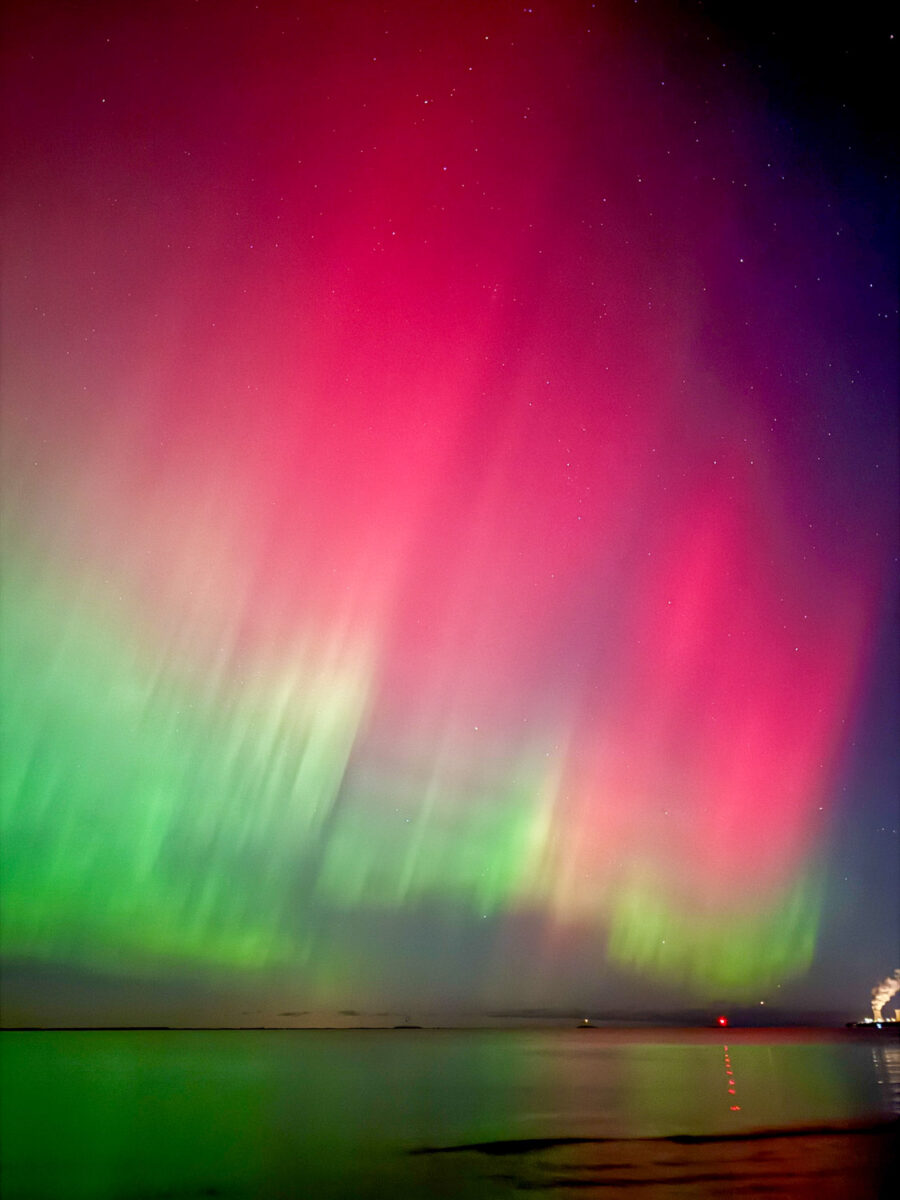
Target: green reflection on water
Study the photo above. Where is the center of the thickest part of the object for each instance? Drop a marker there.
(286, 1114)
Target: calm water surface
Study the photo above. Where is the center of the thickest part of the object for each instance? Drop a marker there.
(435, 1113)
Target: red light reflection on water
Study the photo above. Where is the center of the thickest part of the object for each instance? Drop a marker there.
(729, 1077)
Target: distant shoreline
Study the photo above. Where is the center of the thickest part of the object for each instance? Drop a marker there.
(611, 1027)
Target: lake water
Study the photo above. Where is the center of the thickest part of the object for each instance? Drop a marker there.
(446, 1114)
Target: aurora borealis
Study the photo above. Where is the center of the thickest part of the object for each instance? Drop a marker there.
(449, 503)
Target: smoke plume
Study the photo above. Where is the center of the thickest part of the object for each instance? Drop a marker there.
(883, 992)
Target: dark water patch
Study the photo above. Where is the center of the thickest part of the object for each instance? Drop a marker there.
(818, 1162)
(511, 1146)
(780, 1181)
(534, 1145)
(758, 1135)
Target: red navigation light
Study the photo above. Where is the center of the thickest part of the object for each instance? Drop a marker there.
(723, 1020)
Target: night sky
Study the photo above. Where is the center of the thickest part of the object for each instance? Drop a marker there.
(450, 521)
